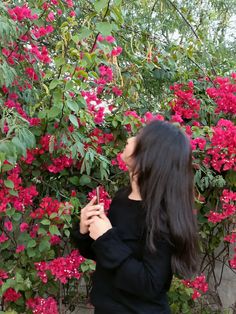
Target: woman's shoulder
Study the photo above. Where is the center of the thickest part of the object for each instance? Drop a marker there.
(121, 193)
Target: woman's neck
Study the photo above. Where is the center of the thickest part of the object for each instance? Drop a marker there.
(135, 192)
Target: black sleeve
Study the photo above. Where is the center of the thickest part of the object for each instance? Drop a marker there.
(145, 278)
(83, 242)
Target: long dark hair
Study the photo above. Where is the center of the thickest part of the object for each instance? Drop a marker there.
(163, 165)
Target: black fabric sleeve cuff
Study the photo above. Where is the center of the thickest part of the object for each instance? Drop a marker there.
(83, 242)
(110, 250)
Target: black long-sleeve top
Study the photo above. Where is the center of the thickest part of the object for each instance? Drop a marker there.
(128, 278)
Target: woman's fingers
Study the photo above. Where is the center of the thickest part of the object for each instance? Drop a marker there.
(91, 208)
(92, 202)
(89, 221)
(94, 213)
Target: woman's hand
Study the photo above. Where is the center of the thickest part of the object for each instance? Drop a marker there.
(87, 213)
(98, 226)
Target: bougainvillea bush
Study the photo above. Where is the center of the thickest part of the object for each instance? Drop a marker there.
(64, 121)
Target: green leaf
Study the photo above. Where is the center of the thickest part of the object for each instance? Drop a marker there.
(73, 120)
(84, 180)
(57, 96)
(75, 180)
(45, 222)
(54, 83)
(117, 2)
(100, 4)
(42, 231)
(36, 173)
(67, 233)
(9, 184)
(23, 238)
(54, 230)
(54, 112)
(31, 243)
(17, 216)
(84, 32)
(82, 102)
(26, 136)
(20, 146)
(58, 61)
(114, 123)
(44, 245)
(7, 167)
(104, 28)
(69, 85)
(72, 105)
(31, 252)
(53, 215)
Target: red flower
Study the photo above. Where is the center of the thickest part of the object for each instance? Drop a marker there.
(31, 74)
(104, 197)
(10, 295)
(3, 275)
(39, 305)
(63, 268)
(8, 225)
(20, 248)
(199, 285)
(3, 238)
(20, 13)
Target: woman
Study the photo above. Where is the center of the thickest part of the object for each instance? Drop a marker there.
(150, 231)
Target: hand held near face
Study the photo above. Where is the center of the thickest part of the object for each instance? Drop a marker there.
(88, 212)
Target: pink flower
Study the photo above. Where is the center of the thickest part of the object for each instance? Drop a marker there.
(5, 89)
(231, 238)
(104, 197)
(63, 268)
(224, 95)
(200, 142)
(31, 74)
(196, 294)
(72, 13)
(42, 31)
(233, 262)
(110, 39)
(23, 227)
(10, 295)
(39, 305)
(116, 51)
(20, 13)
(50, 17)
(185, 104)
(121, 163)
(176, 118)
(106, 73)
(55, 240)
(70, 3)
(228, 207)
(3, 275)
(3, 238)
(116, 91)
(8, 225)
(100, 38)
(20, 248)
(60, 164)
(223, 146)
(199, 285)
(34, 121)
(73, 193)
